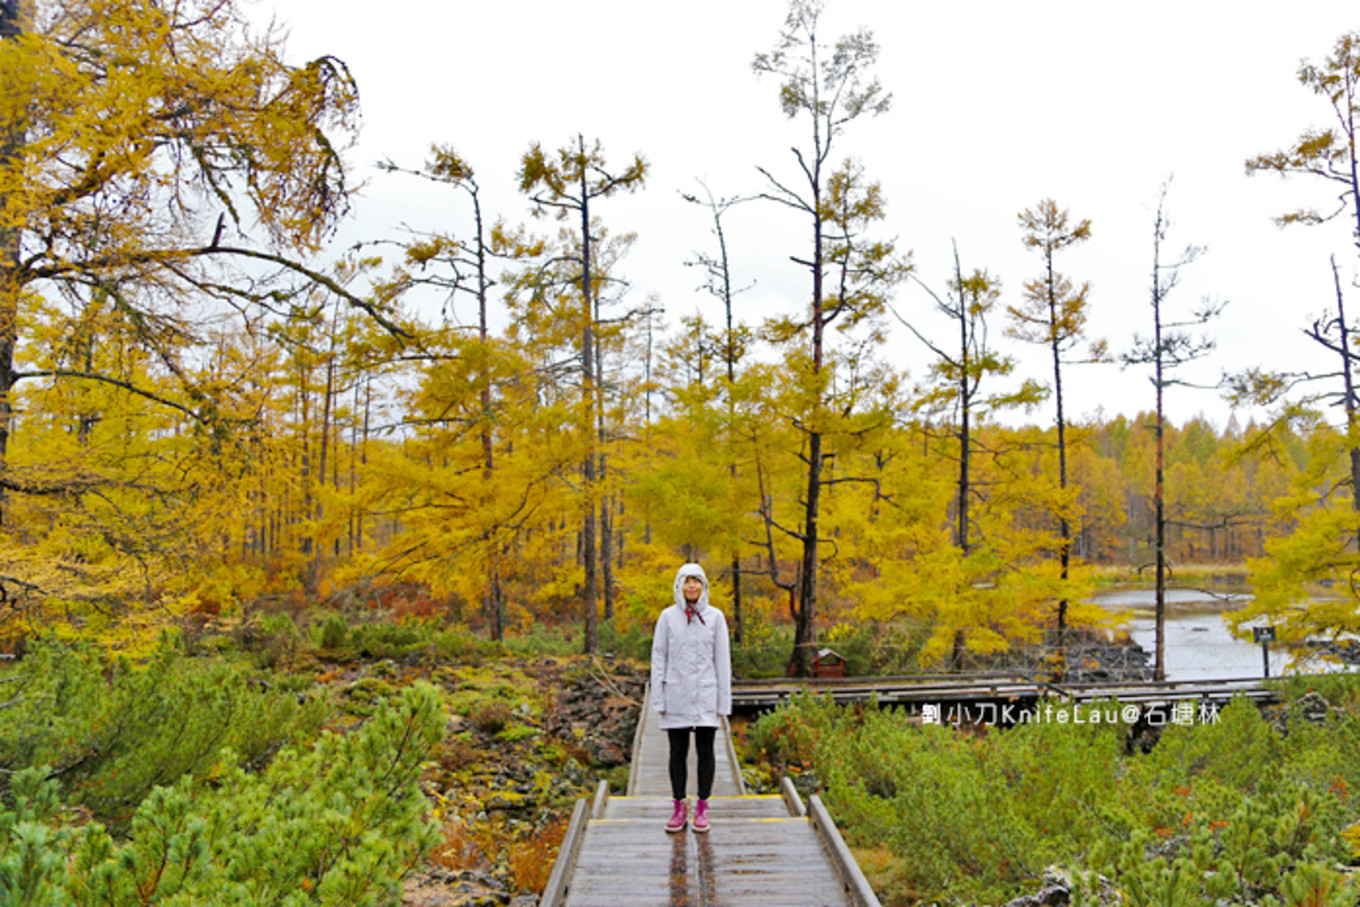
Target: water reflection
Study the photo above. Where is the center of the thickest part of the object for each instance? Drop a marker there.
(1198, 644)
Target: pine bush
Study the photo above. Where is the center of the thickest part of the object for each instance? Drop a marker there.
(337, 824)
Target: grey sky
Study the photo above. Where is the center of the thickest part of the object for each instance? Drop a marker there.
(997, 105)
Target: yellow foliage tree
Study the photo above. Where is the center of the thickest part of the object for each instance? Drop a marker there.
(142, 142)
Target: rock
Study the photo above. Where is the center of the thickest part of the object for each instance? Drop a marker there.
(1048, 896)
(1056, 891)
(1093, 659)
(609, 754)
(598, 712)
(1347, 651)
(1313, 707)
(438, 887)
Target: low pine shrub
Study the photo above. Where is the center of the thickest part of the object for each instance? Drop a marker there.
(1223, 812)
(338, 823)
(110, 733)
(389, 640)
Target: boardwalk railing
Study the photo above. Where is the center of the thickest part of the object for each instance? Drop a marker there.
(555, 892)
(856, 885)
(761, 850)
(944, 689)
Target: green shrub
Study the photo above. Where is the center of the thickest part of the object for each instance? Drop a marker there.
(108, 742)
(333, 634)
(278, 641)
(764, 651)
(1225, 812)
(457, 644)
(389, 640)
(788, 735)
(540, 640)
(337, 824)
(1337, 688)
(635, 642)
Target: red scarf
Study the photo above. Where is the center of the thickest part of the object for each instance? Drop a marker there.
(691, 612)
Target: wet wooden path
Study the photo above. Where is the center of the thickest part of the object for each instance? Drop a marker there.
(761, 850)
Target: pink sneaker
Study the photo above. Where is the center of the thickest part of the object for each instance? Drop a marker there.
(680, 816)
(701, 816)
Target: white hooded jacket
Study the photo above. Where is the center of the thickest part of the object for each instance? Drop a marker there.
(691, 661)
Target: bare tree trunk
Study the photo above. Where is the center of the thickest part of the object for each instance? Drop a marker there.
(805, 622)
(492, 604)
(607, 551)
(965, 412)
(353, 470)
(363, 455)
(305, 466)
(589, 591)
(323, 453)
(11, 26)
(1159, 493)
(1347, 376)
(1064, 529)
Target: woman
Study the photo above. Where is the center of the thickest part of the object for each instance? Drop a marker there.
(691, 687)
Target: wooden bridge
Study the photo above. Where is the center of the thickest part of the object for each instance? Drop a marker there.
(967, 692)
(761, 850)
(772, 850)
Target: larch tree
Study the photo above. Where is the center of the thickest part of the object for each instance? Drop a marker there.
(143, 144)
(1327, 153)
(1053, 315)
(1170, 346)
(567, 183)
(717, 272)
(614, 398)
(958, 373)
(826, 87)
(1327, 535)
(955, 388)
(1330, 155)
(462, 267)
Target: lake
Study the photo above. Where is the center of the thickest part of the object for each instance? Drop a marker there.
(1198, 644)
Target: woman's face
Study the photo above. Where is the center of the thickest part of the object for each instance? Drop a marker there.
(692, 587)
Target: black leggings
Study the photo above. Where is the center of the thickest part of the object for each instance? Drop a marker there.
(703, 747)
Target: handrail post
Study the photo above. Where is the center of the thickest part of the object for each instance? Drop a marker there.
(791, 798)
(597, 806)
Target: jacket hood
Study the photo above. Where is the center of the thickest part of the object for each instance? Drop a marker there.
(691, 570)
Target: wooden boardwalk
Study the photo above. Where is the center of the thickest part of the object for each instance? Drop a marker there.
(968, 692)
(649, 772)
(761, 850)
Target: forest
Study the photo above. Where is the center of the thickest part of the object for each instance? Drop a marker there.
(214, 425)
(204, 414)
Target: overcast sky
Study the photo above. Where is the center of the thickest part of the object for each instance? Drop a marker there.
(996, 105)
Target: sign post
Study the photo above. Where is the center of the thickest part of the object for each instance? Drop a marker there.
(1265, 636)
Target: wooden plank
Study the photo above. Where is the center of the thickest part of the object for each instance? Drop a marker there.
(739, 862)
(658, 809)
(755, 853)
(649, 774)
(554, 893)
